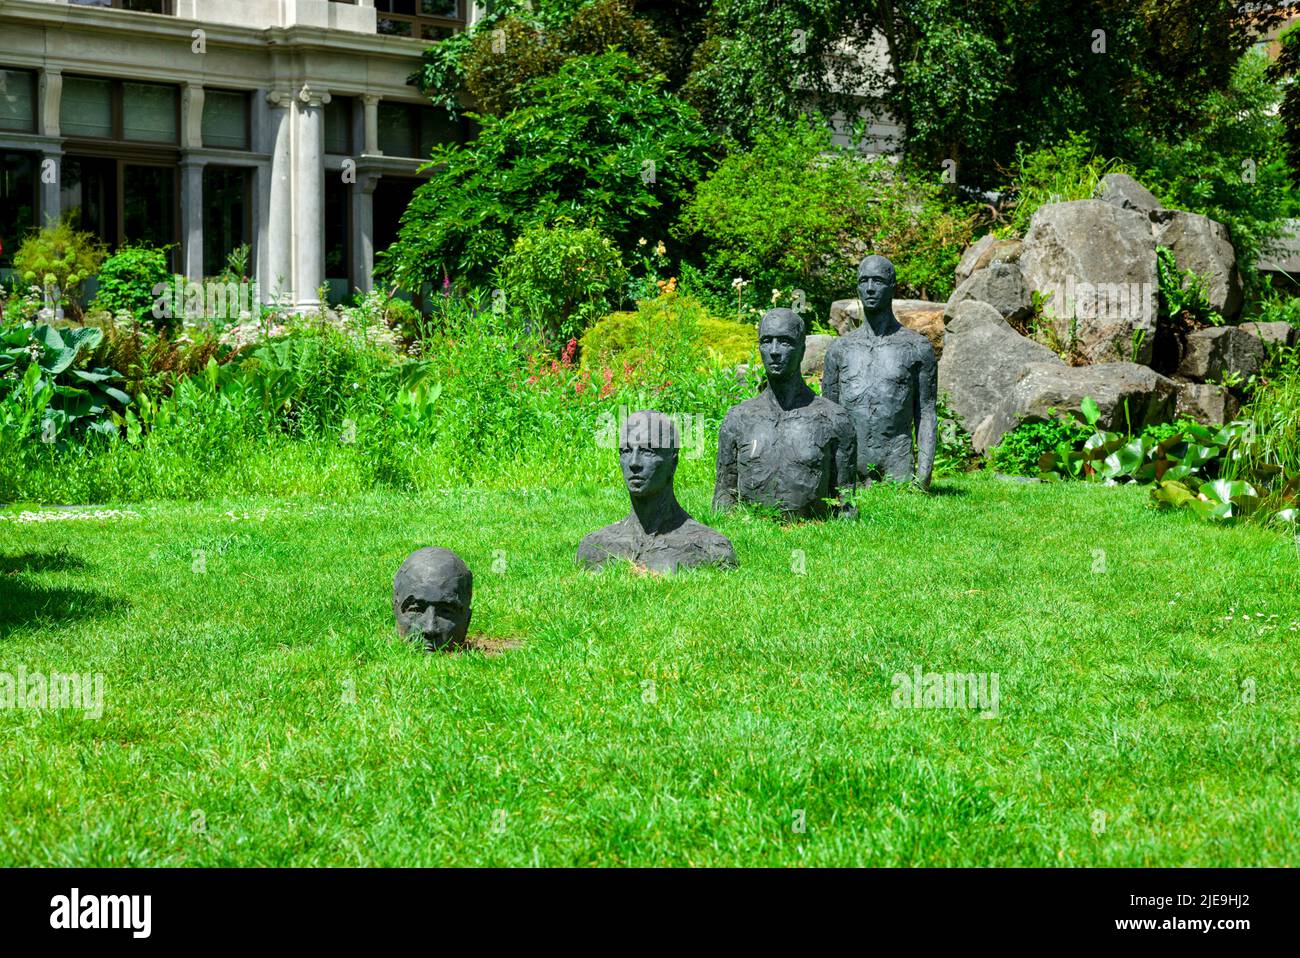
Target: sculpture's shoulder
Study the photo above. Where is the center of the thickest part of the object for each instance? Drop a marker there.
(603, 544)
(710, 544)
(916, 343)
(833, 413)
(747, 410)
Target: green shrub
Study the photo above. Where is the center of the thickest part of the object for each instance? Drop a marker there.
(45, 384)
(1069, 169)
(672, 331)
(1182, 293)
(600, 142)
(1232, 166)
(562, 277)
(794, 212)
(127, 280)
(1019, 451)
(496, 77)
(59, 257)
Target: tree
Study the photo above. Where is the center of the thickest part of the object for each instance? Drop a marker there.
(601, 142)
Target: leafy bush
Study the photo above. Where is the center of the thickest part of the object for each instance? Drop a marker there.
(127, 280)
(668, 333)
(1182, 293)
(495, 77)
(1069, 169)
(59, 258)
(1221, 474)
(794, 212)
(1231, 167)
(601, 142)
(562, 277)
(42, 384)
(1276, 308)
(1019, 451)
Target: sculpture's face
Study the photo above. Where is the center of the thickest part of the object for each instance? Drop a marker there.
(646, 470)
(781, 342)
(436, 609)
(876, 285)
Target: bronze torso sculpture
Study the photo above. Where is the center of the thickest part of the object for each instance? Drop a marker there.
(786, 447)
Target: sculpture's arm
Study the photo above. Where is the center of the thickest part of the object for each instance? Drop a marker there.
(831, 374)
(927, 424)
(725, 486)
(844, 479)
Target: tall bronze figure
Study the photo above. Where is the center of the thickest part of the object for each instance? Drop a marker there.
(885, 375)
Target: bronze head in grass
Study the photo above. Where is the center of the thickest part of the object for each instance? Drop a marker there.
(432, 593)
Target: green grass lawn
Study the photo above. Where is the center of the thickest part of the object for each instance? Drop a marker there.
(259, 710)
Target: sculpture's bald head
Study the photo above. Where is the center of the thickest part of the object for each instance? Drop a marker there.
(648, 443)
(781, 343)
(876, 285)
(432, 595)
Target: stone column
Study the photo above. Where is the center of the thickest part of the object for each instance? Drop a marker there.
(50, 99)
(363, 230)
(191, 183)
(370, 103)
(278, 275)
(192, 218)
(309, 197)
(192, 117)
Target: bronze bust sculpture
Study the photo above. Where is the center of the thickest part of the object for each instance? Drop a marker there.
(787, 447)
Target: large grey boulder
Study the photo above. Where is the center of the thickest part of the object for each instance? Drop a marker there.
(814, 353)
(1001, 285)
(1203, 246)
(919, 315)
(1272, 335)
(982, 357)
(1206, 403)
(1129, 396)
(1210, 353)
(984, 252)
(1123, 191)
(1097, 263)
(924, 317)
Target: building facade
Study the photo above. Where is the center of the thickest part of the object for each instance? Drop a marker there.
(283, 128)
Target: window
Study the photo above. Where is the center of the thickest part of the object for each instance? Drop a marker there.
(409, 130)
(338, 125)
(149, 112)
(225, 120)
(227, 217)
(111, 109)
(139, 6)
(121, 201)
(421, 19)
(148, 204)
(86, 108)
(18, 101)
(338, 238)
(17, 201)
